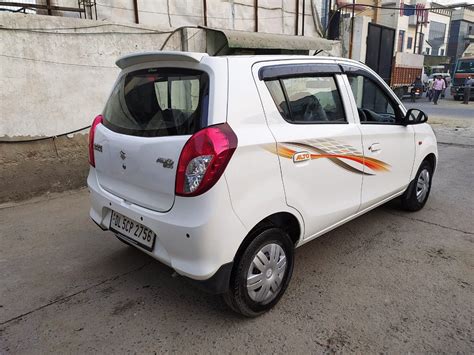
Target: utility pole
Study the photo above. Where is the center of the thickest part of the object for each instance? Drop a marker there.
(416, 34)
(352, 30)
(376, 11)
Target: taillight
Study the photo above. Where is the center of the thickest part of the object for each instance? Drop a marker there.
(204, 158)
(98, 120)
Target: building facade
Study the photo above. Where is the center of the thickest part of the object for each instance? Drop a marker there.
(461, 32)
(439, 22)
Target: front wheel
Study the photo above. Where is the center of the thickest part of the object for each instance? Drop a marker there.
(417, 193)
(261, 274)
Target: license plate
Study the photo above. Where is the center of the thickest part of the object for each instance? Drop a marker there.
(136, 232)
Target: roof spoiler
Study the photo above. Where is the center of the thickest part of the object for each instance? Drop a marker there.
(168, 56)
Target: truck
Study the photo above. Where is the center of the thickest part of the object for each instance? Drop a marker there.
(464, 68)
(406, 68)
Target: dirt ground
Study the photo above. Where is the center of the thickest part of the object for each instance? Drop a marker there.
(388, 281)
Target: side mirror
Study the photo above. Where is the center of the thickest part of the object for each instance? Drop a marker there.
(415, 116)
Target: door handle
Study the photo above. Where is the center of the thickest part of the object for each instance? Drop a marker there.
(375, 147)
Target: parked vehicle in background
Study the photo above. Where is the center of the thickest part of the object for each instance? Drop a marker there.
(464, 68)
(445, 76)
(406, 68)
(221, 166)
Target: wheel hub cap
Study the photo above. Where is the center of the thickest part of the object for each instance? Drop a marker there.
(423, 185)
(266, 273)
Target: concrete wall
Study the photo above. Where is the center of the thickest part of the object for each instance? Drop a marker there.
(275, 16)
(55, 80)
(361, 28)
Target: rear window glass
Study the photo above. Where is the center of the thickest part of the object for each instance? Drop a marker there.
(159, 102)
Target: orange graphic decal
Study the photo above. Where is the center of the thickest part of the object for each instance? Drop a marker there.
(338, 153)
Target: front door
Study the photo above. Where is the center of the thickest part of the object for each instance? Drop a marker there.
(388, 145)
(318, 144)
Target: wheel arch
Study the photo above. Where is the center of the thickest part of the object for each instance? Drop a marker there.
(431, 158)
(284, 220)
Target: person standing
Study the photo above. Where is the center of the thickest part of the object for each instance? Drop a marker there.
(438, 86)
(467, 89)
(429, 92)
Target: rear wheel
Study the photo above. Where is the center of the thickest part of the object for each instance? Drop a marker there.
(456, 97)
(262, 273)
(419, 189)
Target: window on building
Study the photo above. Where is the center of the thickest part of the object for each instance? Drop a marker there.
(427, 51)
(401, 40)
(409, 42)
(441, 52)
(436, 36)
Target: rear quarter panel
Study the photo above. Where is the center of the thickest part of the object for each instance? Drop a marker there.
(253, 174)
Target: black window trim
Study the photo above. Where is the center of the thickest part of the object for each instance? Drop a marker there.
(354, 71)
(309, 75)
(284, 71)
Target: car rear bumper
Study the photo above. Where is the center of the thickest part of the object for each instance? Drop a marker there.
(198, 237)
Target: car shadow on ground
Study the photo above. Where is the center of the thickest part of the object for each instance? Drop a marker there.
(154, 280)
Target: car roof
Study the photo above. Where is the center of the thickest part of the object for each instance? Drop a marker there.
(143, 57)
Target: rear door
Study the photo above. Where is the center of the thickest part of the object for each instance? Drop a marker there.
(317, 140)
(148, 118)
(388, 145)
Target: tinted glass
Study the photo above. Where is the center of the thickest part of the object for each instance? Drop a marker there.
(158, 102)
(373, 104)
(308, 99)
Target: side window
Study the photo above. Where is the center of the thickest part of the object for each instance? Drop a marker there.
(307, 99)
(373, 105)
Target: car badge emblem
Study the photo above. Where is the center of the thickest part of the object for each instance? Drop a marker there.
(167, 163)
(123, 155)
(301, 156)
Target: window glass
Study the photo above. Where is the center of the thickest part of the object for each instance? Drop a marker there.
(308, 99)
(373, 105)
(465, 66)
(278, 96)
(158, 102)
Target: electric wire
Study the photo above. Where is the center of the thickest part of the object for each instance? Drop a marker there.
(44, 138)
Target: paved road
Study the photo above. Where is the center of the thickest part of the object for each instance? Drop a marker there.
(389, 281)
(446, 108)
(451, 120)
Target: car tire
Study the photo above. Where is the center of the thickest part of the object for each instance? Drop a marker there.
(261, 274)
(456, 97)
(417, 193)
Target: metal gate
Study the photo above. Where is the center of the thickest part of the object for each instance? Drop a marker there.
(380, 46)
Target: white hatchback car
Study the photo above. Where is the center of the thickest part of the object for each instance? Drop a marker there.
(220, 166)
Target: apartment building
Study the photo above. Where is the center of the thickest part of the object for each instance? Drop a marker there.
(461, 32)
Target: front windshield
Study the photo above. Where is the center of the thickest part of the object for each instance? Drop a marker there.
(465, 66)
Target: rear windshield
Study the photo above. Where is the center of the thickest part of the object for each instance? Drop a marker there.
(158, 102)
